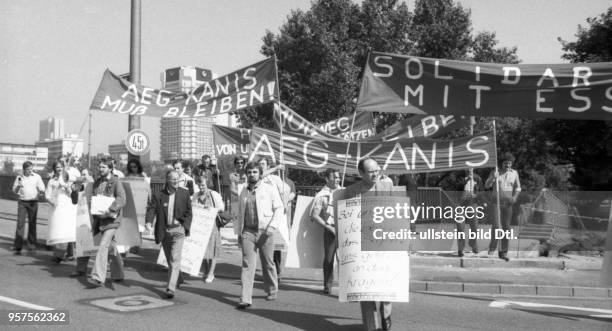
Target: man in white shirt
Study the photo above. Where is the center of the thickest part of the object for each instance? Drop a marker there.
(322, 212)
(509, 189)
(28, 187)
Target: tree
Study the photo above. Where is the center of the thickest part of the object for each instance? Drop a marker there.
(587, 144)
(321, 52)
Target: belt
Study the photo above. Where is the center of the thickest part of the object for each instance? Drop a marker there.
(172, 226)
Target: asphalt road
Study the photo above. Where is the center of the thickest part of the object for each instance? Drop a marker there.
(36, 280)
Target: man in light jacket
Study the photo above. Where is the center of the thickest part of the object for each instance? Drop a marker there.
(260, 209)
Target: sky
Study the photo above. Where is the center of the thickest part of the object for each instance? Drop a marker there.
(53, 52)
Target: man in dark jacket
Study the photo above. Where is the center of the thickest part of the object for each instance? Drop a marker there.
(172, 208)
(107, 223)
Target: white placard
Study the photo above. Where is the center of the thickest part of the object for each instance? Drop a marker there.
(194, 246)
(100, 204)
(367, 276)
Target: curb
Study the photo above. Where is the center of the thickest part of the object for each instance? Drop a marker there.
(512, 289)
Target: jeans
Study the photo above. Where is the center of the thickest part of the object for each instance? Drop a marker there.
(252, 242)
(173, 247)
(505, 217)
(329, 248)
(30, 209)
(473, 223)
(108, 245)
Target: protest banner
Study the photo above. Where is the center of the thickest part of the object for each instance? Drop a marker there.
(194, 246)
(128, 234)
(430, 126)
(141, 190)
(403, 155)
(340, 128)
(367, 276)
(306, 243)
(84, 244)
(246, 87)
(230, 141)
(409, 84)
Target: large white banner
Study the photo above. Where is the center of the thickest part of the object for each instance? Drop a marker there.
(306, 244)
(194, 246)
(367, 276)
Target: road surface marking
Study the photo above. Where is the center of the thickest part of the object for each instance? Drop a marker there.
(601, 313)
(23, 303)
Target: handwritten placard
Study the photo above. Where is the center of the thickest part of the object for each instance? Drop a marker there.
(367, 276)
(141, 189)
(194, 246)
(85, 245)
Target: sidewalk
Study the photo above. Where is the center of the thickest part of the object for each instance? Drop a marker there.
(572, 276)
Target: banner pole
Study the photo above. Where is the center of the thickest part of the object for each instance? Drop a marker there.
(497, 207)
(348, 145)
(280, 156)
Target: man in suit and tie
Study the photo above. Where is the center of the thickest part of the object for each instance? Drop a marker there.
(172, 208)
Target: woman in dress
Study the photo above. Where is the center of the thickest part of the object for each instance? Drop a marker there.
(210, 199)
(62, 216)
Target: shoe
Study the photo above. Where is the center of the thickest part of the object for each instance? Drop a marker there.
(209, 279)
(271, 297)
(17, 253)
(57, 260)
(504, 257)
(169, 293)
(460, 254)
(117, 280)
(386, 323)
(94, 282)
(326, 290)
(475, 251)
(76, 274)
(243, 305)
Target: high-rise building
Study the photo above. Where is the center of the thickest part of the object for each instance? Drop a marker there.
(19, 153)
(51, 128)
(187, 138)
(70, 144)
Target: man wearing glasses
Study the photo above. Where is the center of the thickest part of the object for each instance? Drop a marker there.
(375, 314)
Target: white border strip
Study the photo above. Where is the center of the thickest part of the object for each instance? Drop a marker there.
(23, 303)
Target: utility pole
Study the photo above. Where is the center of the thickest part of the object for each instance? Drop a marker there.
(89, 143)
(134, 121)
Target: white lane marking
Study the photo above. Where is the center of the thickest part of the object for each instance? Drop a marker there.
(606, 313)
(23, 303)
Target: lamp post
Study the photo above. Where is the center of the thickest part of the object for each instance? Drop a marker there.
(134, 121)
